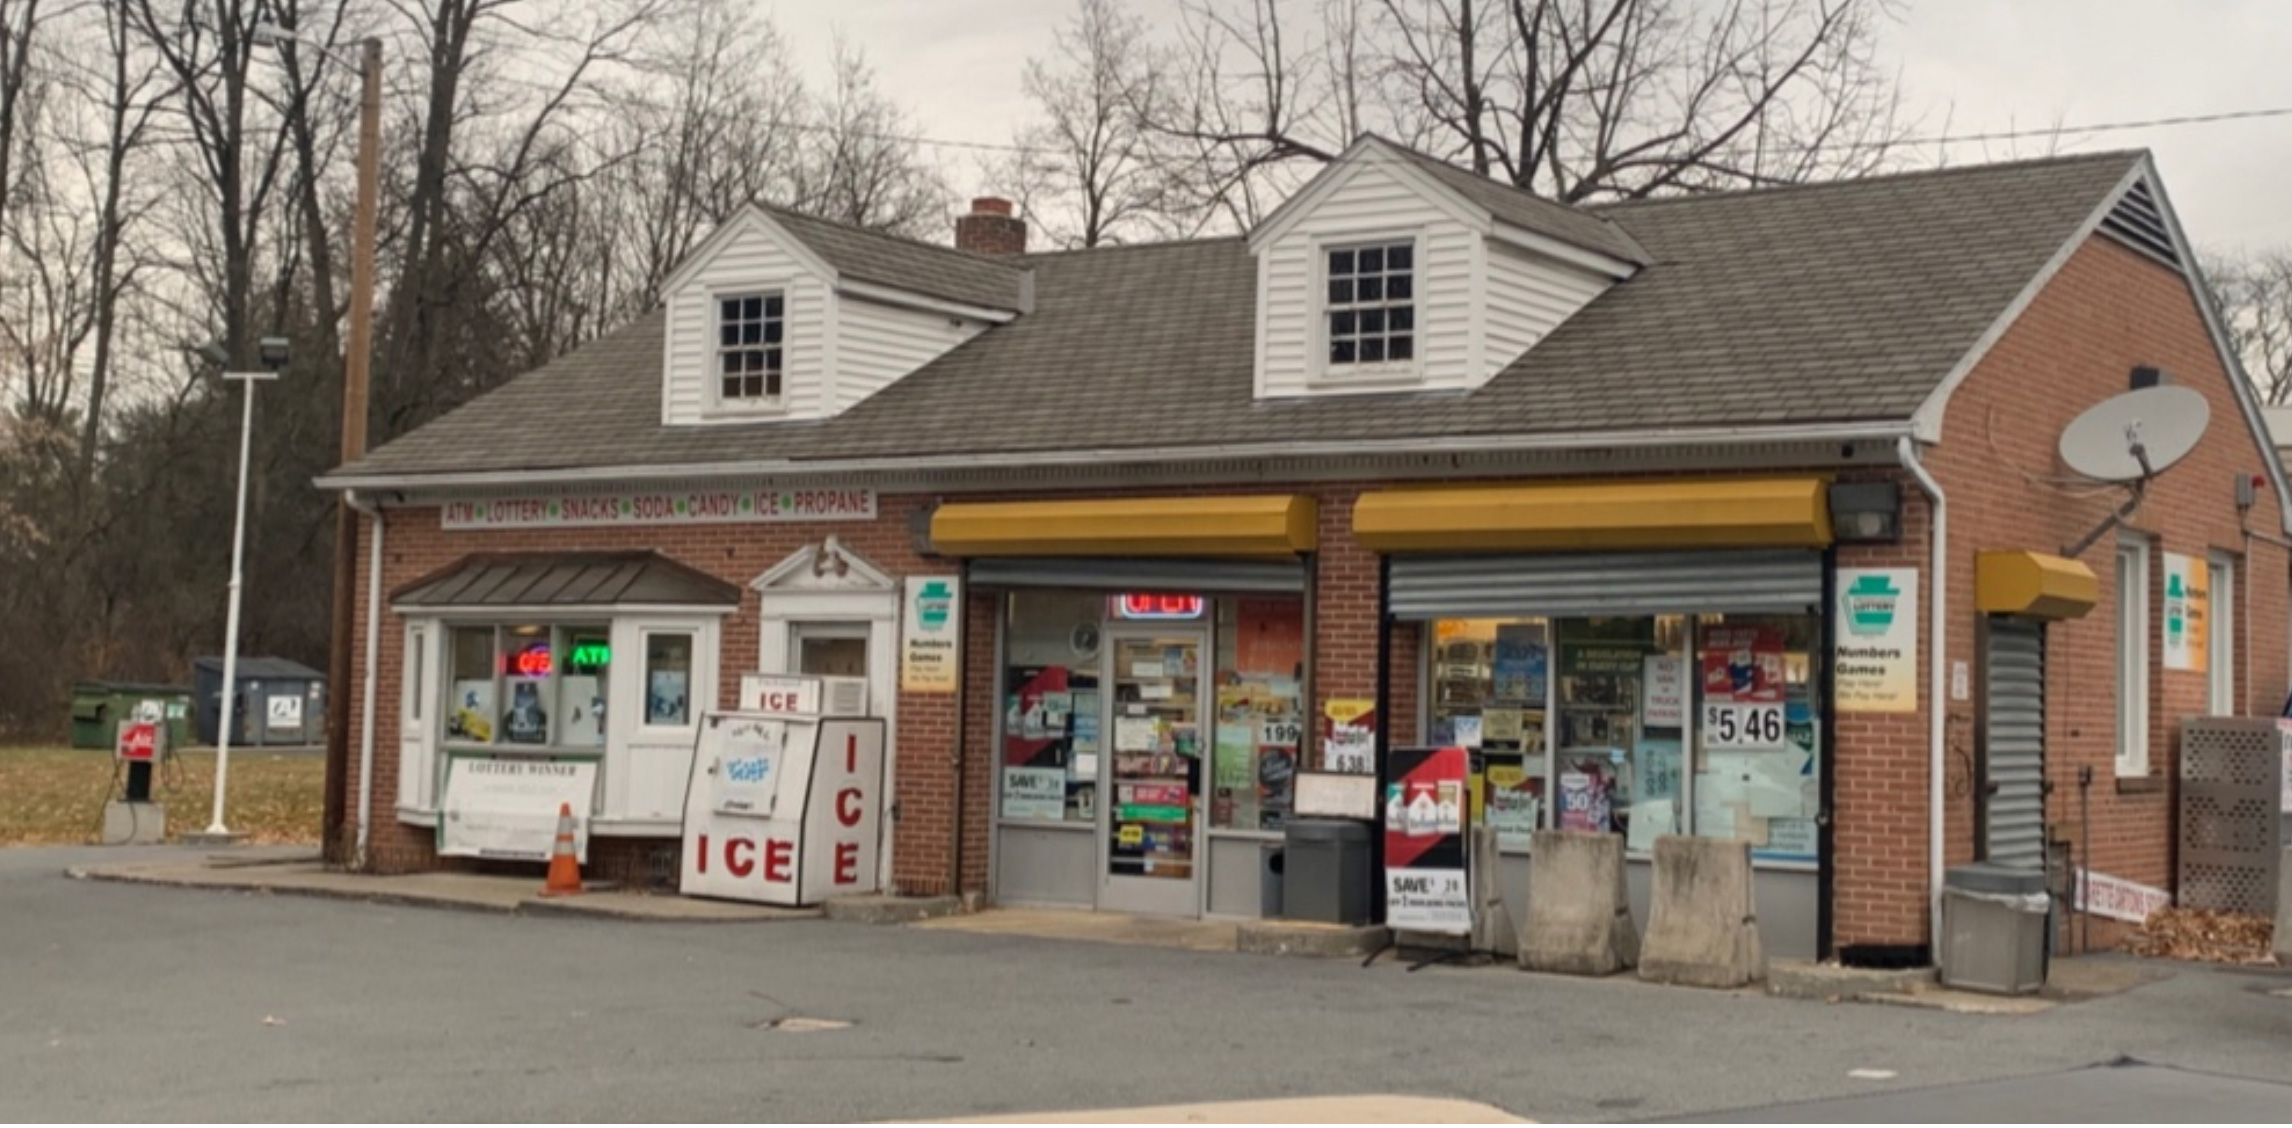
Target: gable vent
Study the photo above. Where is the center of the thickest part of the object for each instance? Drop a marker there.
(2138, 222)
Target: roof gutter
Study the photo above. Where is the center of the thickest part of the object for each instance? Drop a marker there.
(1482, 444)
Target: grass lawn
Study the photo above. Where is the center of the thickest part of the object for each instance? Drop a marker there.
(55, 796)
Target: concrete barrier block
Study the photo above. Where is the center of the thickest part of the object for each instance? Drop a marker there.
(1579, 916)
(2283, 942)
(1703, 925)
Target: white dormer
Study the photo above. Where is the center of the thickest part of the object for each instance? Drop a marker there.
(1391, 272)
(781, 317)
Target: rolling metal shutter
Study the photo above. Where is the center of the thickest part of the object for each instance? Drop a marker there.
(2013, 743)
(1779, 581)
(1139, 574)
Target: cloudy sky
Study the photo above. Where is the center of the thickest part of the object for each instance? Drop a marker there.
(1970, 66)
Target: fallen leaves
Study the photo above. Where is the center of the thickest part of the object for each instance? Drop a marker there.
(2209, 937)
(55, 796)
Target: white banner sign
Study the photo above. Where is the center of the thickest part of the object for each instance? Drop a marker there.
(1665, 705)
(2119, 899)
(1427, 900)
(660, 507)
(507, 809)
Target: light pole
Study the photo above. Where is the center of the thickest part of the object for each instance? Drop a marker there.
(274, 357)
(358, 352)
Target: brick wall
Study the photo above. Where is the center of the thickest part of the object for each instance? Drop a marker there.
(2108, 310)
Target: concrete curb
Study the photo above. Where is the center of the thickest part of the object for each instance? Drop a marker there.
(886, 909)
(377, 897)
(1304, 938)
(1799, 979)
(603, 901)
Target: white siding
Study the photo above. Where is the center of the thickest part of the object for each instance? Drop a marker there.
(878, 343)
(1528, 297)
(751, 261)
(1371, 204)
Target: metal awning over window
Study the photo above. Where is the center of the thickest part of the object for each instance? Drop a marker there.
(559, 579)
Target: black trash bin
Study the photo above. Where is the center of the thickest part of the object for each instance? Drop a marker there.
(1271, 861)
(1327, 878)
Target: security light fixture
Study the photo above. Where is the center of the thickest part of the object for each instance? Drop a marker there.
(1866, 512)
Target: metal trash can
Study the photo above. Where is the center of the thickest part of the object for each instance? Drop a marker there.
(1271, 861)
(1994, 929)
(1327, 878)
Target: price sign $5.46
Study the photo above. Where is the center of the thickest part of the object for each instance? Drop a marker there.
(1728, 725)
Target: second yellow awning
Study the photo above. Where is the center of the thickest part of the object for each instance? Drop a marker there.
(2033, 584)
(1249, 526)
(1576, 516)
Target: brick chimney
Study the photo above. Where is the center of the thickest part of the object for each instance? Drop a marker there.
(991, 229)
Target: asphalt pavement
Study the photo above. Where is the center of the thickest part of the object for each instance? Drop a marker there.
(123, 1002)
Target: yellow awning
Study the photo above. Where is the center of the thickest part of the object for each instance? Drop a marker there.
(1546, 516)
(1258, 526)
(2033, 584)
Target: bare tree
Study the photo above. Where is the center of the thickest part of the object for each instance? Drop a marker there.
(2254, 295)
(860, 164)
(1085, 172)
(1578, 100)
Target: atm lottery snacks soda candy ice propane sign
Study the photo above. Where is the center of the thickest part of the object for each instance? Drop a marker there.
(1425, 813)
(660, 507)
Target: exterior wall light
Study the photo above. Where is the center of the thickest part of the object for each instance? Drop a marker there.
(1866, 512)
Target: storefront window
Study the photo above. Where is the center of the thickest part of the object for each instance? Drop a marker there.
(1622, 705)
(1260, 723)
(1759, 738)
(668, 678)
(1051, 708)
(527, 684)
(1490, 687)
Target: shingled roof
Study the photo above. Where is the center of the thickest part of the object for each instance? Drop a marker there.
(905, 264)
(1846, 302)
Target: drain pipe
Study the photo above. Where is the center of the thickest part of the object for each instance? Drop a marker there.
(366, 688)
(1938, 588)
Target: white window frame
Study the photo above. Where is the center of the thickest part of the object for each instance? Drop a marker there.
(2133, 577)
(719, 403)
(2220, 632)
(1386, 372)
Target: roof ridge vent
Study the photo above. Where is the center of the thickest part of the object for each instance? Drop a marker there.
(2139, 222)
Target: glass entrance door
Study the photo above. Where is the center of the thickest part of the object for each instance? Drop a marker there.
(1150, 822)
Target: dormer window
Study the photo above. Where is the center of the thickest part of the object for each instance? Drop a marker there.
(1372, 304)
(748, 353)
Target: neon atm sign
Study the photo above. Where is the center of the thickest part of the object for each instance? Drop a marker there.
(1156, 607)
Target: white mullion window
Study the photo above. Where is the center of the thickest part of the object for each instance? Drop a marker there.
(1370, 304)
(750, 348)
(2132, 656)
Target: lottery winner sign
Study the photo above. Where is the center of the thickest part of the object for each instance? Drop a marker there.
(661, 507)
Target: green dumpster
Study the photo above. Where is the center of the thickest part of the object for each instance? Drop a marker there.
(98, 707)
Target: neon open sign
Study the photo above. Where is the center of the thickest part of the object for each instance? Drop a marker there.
(1152, 606)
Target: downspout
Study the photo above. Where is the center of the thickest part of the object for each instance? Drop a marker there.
(1936, 618)
(367, 682)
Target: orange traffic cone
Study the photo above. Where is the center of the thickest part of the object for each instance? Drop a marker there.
(564, 868)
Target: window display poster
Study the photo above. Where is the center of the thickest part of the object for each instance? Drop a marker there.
(584, 722)
(1425, 815)
(1664, 701)
(1349, 736)
(1034, 793)
(1270, 639)
(666, 703)
(526, 722)
(1521, 666)
(1465, 730)
(1743, 664)
(1031, 727)
(1515, 801)
(1587, 802)
(1655, 768)
(471, 717)
(1276, 784)
(1874, 667)
(1583, 658)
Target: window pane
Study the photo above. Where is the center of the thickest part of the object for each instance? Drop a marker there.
(1341, 351)
(668, 679)
(583, 687)
(1372, 321)
(772, 330)
(1372, 259)
(729, 334)
(1398, 256)
(1488, 681)
(526, 665)
(1372, 289)
(772, 307)
(469, 657)
(1052, 753)
(1260, 731)
(1399, 347)
(1618, 728)
(1398, 287)
(752, 333)
(752, 308)
(1340, 291)
(771, 361)
(1344, 324)
(1401, 318)
(728, 309)
(771, 388)
(1372, 350)
(1340, 263)
(417, 675)
(1758, 735)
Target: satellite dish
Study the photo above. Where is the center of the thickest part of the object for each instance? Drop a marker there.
(2135, 435)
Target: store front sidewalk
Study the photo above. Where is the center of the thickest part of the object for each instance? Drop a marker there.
(1364, 1109)
(297, 871)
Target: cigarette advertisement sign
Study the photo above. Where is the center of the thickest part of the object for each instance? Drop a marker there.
(659, 507)
(1425, 813)
(1874, 660)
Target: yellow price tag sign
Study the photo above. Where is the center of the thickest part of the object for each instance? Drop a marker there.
(1133, 836)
